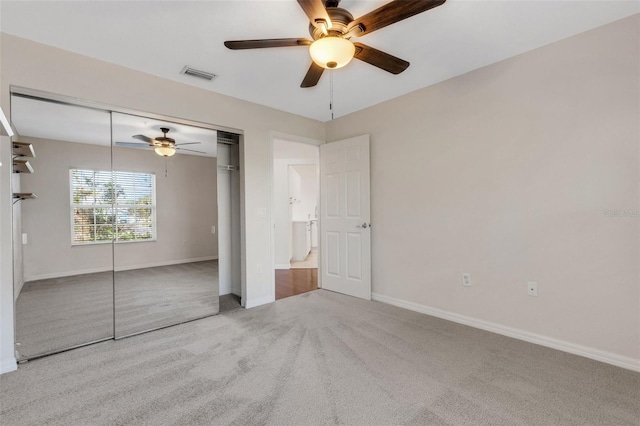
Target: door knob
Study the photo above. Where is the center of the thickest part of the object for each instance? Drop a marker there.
(364, 225)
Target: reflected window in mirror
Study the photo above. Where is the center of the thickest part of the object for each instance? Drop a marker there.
(112, 206)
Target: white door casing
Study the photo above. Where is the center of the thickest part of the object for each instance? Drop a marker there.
(345, 204)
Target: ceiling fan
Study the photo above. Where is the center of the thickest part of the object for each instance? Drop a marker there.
(332, 27)
(162, 145)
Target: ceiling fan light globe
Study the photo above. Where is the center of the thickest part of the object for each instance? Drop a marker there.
(165, 151)
(332, 52)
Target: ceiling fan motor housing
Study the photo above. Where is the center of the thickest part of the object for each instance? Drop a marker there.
(340, 20)
(164, 140)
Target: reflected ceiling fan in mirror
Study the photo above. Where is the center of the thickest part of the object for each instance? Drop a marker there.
(332, 28)
(162, 145)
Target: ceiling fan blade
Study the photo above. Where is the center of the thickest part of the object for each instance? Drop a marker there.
(391, 13)
(380, 59)
(190, 150)
(187, 143)
(316, 12)
(313, 75)
(268, 42)
(143, 138)
(132, 145)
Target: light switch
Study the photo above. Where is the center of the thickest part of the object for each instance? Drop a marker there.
(213, 229)
(466, 279)
(24, 238)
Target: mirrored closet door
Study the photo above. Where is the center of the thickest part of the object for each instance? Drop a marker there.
(166, 246)
(115, 223)
(62, 221)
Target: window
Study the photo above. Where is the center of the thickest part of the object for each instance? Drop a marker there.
(112, 206)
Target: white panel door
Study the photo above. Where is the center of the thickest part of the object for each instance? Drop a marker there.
(345, 218)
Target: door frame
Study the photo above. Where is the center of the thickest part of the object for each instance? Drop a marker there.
(272, 238)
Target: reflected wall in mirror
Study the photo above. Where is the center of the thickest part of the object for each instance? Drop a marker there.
(166, 249)
(63, 278)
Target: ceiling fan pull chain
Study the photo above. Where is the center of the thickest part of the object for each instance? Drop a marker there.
(166, 161)
(331, 92)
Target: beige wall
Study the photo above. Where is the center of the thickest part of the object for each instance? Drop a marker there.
(187, 208)
(184, 217)
(33, 65)
(506, 172)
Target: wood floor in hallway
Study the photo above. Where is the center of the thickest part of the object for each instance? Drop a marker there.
(290, 282)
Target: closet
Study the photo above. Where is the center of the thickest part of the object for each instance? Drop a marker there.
(123, 222)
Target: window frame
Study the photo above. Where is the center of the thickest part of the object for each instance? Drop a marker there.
(115, 207)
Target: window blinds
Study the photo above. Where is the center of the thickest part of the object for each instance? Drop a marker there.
(112, 206)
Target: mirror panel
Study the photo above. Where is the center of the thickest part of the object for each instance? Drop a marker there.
(166, 247)
(101, 206)
(63, 269)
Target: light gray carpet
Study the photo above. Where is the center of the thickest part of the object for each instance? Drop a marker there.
(229, 302)
(314, 359)
(60, 313)
(157, 297)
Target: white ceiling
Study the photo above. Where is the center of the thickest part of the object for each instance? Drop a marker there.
(69, 123)
(161, 37)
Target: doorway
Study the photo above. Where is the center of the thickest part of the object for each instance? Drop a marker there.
(295, 206)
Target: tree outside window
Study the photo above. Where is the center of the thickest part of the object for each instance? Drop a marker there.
(112, 206)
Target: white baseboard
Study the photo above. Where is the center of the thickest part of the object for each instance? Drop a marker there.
(259, 302)
(8, 365)
(109, 268)
(29, 278)
(572, 348)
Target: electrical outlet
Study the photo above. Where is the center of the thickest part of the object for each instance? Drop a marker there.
(213, 229)
(262, 212)
(532, 288)
(466, 279)
(25, 240)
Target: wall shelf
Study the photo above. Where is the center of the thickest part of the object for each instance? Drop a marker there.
(22, 166)
(19, 196)
(22, 149)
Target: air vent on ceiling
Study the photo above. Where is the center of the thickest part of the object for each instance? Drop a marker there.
(198, 73)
